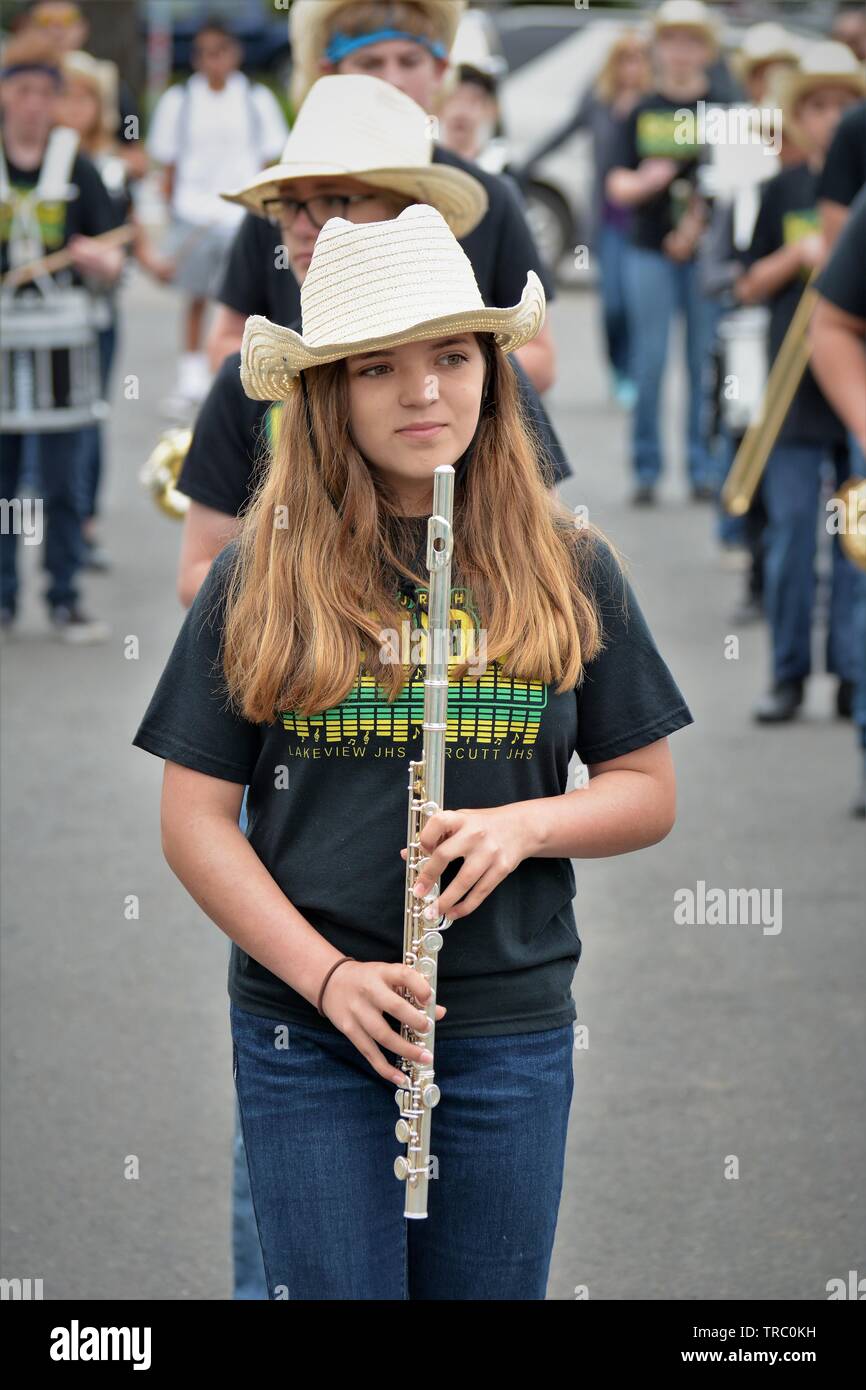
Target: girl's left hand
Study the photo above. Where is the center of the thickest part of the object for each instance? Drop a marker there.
(491, 842)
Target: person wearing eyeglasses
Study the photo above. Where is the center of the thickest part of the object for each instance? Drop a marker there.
(215, 130)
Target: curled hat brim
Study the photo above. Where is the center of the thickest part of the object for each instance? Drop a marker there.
(272, 356)
(460, 198)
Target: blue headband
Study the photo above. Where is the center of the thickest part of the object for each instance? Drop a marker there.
(340, 44)
(14, 69)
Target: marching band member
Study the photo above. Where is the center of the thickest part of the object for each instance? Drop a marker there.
(654, 172)
(50, 197)
(404, 43)
(319, 881)
(786, 246)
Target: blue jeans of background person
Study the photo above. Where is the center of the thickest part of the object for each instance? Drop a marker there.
(90, 468)
(58, 486)
(319, 1130)
(612, 250)
(659, 290)
(791, 488)
(857, 468)
(730, 530)
(248, 1269)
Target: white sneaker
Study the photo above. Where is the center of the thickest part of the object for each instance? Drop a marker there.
(70, 624)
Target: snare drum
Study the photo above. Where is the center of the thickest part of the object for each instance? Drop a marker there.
(743, 340)
(49, 362)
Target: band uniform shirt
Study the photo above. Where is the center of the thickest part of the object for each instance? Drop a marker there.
(216, 140)
(258, 279)
(328, 798)
(789, 212)
(232, 433)
(844, 172)
(653, 129)
(843, 279)
(89, 212)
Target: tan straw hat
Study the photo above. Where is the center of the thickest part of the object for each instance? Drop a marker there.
(312, 21)
(380, 284)
(363, 127)
(686, 14)
(826, 64)
(765, 43)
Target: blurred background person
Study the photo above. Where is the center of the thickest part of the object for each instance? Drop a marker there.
(212, 132)
(786, 248)
(625, 77)
(37, 219)
(88, 105)
(849, 27)
(66, 28)
(653, 174)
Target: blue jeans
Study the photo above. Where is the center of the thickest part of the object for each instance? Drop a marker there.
(90, 467)
(319, 1130)
(248, 1269)
(659, 289)
(612, 250)
(791, 489)
(57, 458)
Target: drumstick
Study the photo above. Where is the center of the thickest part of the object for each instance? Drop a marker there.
(57, 260)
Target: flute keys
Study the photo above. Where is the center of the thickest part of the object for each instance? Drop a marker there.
(401, 1167)
(402, 1131)
(430, 1095)
(426, 967)
(432, 942)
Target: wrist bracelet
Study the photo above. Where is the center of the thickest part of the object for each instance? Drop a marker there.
(334, 967)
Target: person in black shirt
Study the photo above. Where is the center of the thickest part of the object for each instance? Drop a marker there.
(786, 247)
(838, 339)
(37, 217)
(501, 247)
(844, 172)
(654, 172)
(284, 677)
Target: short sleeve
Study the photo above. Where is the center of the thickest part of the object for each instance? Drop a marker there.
(623, 150)
(220, 461)
(628, 697)
(516, 253)
(842, 281)
(96, 211)
(767, 235)
(533, 408)
(189, 720)
(244, 284)
(162, 136)
(845, 166)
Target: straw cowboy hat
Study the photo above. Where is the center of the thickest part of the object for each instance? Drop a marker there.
(380, 284)
(764, 43)
(310, 24)
(364, 127)
(827, 64)
(686, 14)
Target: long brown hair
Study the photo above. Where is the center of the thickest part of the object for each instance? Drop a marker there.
(318, 555)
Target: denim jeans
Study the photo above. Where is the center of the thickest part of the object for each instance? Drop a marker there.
(248, 1269)
(90, 467)
(57, 458)
(659, 289)
(791, 489)
(612, 251)
(319, 1131)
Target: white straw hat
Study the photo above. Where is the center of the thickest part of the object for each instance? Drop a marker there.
(826, 64)
(686, 14)
(311, 21)
(380, 284)
(763, 43)
(366, 129)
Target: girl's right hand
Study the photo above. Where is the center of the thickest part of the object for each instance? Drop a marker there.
(360, 992)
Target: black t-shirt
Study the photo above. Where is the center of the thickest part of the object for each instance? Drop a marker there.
(650, 132)
(328, 800)
(501, 248)
(228, 442)
(787, 213)
(844, 172)
(88, 213)
(843, 279)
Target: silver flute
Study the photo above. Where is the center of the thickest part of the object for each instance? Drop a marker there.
(422, 940)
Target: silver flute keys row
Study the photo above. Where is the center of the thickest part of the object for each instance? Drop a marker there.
(422, 940)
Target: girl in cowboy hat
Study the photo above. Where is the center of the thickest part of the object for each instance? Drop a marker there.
(279, 678)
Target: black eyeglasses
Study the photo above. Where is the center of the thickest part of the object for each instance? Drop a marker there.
(319, 209)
